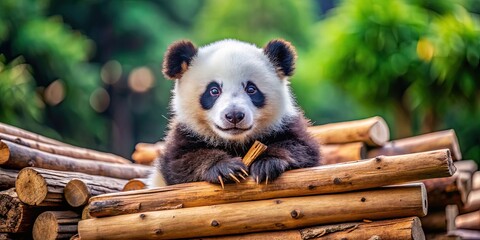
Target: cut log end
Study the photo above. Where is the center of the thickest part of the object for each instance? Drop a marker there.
(4, 152)
(135, 184)
(31, 187)
(423, 189)
(417, 231)
(379, 132)
(45, 227)
(76, 193)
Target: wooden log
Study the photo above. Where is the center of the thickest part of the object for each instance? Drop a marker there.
(465, 234)
(135, 184)
(421, 143)
(373, 131)
(15, 236)
(17, 157)
(263, 215)
(451, 213)
(468, 221)
(400, 228)
(53, 225)
(449, 190)
(70, 151)
(473, 202)
(15, 216)
(476, 181)
(11, 130)
(7, 178)
(468, 166)
(78, 191)
(44, 187)
(146, 153)
(333, 178)
(435, 221)
(338, 153)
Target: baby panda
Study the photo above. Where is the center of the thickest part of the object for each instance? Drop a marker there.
(227, 95)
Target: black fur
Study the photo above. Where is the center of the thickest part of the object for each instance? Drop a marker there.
(188, 158)
(282, 54)
(207, 100)
(177, 58)
(258, 98)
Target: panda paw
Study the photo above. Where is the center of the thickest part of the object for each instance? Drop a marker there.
(267, 169)
(227, 171)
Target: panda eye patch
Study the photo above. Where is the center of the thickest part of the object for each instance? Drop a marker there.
(214, 91)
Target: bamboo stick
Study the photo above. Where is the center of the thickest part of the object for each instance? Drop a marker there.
(338, 153)
(333, 178)
(53, 225)
(69, 151)
(11, 130)
(468, 220)
(78, 191)
(421, 143)
(44, 187)
(263, 215)
(17, 157)
(7, 178)
(256, 150)
(400, 228)
(135, 184)
(373, 131)
(15, 216)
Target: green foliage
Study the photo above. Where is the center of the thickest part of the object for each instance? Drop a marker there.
(256, 21)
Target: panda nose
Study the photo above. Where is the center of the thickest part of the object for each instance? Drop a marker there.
(235, 117)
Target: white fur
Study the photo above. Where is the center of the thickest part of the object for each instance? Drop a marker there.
(231, 63)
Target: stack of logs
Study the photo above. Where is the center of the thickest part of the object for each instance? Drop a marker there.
(59, 186)
(375, 198)
(43, 183)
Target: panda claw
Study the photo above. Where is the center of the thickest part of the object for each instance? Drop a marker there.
(244, 171)
(221, 181)
(266, 181)
(234, 178)
(240, 175)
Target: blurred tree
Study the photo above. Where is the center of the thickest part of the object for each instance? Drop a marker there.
(383, 54)
(256, 21)
(63, 78)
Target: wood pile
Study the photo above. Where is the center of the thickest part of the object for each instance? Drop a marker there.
(369, 188)
(43, 183)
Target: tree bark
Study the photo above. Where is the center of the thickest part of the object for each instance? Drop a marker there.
(7, 178)
(334, 178)
(15, 216)
(44, 187)
(338, 153)
(69, 151)
(53, 225)
(373, 131)
(400, 228)
(17, 157)
(263, 215)
(421, 143)
(135, 184)
(78, 191)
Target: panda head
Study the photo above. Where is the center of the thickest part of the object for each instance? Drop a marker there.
(231, 91)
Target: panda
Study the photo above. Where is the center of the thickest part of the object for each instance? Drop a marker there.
(227, 95)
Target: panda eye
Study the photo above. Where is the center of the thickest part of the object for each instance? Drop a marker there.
(251, 89)
(214, 92)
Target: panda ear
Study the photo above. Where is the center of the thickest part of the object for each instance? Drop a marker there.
(178, 58)
(282, 54)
